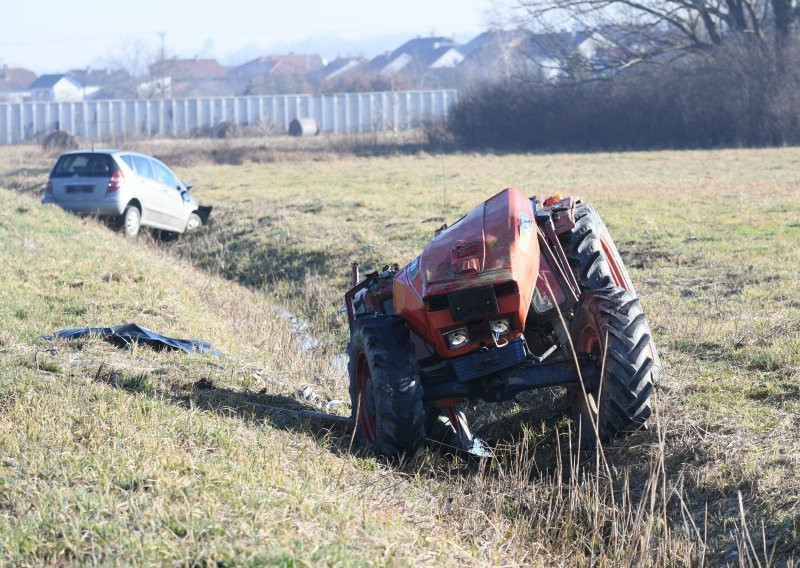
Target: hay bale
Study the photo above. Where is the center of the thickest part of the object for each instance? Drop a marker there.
(60, 140)
(201, 132)
(226, 130)
(303, 127)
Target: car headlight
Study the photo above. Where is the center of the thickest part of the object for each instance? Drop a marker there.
(500, 327)
(457, 338)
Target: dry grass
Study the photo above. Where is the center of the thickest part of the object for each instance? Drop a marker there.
(272, 149)
(112, 456)
(711, 238)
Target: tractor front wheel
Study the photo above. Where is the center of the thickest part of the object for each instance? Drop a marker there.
(385, 387)
(609, 326)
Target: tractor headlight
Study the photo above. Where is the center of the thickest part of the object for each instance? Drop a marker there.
(541, 302)
(500, 327)
(457, 338)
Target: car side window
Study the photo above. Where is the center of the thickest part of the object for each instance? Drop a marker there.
(143, 167)
(164, 175)
(129, 162)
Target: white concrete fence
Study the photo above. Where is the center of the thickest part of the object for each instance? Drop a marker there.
(120, 120)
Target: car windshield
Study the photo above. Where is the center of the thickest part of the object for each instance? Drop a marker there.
(84, 165)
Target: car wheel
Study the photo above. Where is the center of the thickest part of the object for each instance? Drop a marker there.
(194, 222)
(131, 221)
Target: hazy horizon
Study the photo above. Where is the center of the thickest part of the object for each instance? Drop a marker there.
(87, 33)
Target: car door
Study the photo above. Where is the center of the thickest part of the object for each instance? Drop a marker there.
(175, 211)
(150, 193)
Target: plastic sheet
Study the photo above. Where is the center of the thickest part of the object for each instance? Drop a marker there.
(131, 333)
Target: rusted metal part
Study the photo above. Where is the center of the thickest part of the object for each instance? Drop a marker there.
(562, 257)
(561, 210)
(556, 266)
(563, 214)
(379, 297)
(350, 295)
(372, 295)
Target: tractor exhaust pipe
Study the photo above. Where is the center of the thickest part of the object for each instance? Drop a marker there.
(354, 277)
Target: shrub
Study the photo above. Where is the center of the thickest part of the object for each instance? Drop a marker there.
(735, 96)
(60, 140)
(228, 129)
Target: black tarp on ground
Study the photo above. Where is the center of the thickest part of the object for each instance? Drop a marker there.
(128, 334)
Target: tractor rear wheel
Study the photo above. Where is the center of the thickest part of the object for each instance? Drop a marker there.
(385, 387)
(596, 261)
(610, 324)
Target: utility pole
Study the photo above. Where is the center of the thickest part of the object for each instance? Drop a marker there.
(161, 64)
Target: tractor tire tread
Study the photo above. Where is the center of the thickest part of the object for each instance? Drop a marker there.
(628, 367)
(583, 248)
(399, 410)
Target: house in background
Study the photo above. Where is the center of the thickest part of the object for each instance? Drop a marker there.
(187, 69)
(498, 55)
(419, 56)
(546, 57)
(420, 63)
(105, 83)
(180, 78)
(14, 82)
(278, 73)
(158, 88)
(337, 69)
(57, 88)
(566, 53)
(301, 65)
(356, 75)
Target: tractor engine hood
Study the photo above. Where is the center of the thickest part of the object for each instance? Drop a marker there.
(494, 243)
(481, 269)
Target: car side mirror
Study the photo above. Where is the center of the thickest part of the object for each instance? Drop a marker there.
(188, 186)
(185, 196)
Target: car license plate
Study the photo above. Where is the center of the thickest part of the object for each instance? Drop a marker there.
(80, 188)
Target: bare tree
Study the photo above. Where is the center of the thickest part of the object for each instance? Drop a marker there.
(633, 31)
(135, 56)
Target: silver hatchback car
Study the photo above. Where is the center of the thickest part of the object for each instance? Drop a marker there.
(131, 189)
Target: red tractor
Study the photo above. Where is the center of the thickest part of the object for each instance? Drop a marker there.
(518, 294)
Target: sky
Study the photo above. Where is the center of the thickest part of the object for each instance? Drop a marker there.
(49, 36)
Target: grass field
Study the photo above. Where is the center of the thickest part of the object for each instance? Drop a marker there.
(107, 455)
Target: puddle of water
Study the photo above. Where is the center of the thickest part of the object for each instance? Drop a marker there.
(307, 341)
(302, 329)
(340, 362)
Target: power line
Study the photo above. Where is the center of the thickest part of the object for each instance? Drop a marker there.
(281, 32)
(58, 41)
